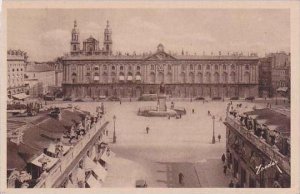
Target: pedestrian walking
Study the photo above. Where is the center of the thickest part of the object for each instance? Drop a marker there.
(225, 169)
(219, 137)
(223, 158)
(193, 111)
(231, 184)
(147, 129)
(120, 102)
(180, 178)
(208, 113)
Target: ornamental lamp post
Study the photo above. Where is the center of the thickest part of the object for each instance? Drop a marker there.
(114, 137)
(213, 137)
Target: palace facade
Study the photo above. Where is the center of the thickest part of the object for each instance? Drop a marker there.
(92, 71)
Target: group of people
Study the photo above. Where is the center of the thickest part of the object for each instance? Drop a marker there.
(227, 167)
(80, 129)
(251, 124)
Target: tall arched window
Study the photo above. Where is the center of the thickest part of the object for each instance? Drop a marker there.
(152, 77)
(74, 77)
(225, 77)
(216, 77)
(247, 77)
(207, 67)
(232, 67)
(191, 67)
(207, 77)
(232, 77)
(182, 77)
(191, 77)
(199, 78)
(160, 77)
(169, 78)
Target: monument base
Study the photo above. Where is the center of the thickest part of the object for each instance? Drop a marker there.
(162, 104)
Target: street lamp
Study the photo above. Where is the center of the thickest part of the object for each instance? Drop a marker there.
(276, 98)
(114, 137)
(213, 137)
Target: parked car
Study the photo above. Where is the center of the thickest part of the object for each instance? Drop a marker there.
(49, 97)
(78, 100)
(250, 98)
(68, 98)
(141, 183)
(113, 98)
(234, 98)
(199, 98)
(217, 98)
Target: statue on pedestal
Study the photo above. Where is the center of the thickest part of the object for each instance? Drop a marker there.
(162, 88)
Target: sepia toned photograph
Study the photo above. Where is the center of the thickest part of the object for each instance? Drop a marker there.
(148, 98)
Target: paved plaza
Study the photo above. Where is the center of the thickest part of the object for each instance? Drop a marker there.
(172, 145)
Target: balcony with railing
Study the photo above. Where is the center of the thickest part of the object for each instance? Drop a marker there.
(68, 162)
(271, 151)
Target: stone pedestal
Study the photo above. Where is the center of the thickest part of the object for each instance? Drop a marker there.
(162, 105)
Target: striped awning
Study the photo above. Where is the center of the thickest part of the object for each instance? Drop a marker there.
(138, 78)
(121, 78)
(20, 96)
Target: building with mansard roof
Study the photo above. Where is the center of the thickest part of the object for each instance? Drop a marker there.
(92, 71)
(16, 62)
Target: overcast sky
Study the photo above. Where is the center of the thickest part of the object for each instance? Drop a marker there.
(45, 33)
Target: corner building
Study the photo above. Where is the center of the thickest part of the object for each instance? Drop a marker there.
(93, 71)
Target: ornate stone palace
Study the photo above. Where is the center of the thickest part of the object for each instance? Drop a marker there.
(93, 71)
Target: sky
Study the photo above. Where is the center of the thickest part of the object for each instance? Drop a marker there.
(46, 33)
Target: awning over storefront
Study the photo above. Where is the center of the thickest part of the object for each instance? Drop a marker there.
(282, 89)
(129, 78)
(107, 156)
(121, 78)
(89, 164)
(20, 96)
(96, 78)
(100, 172)
(93, 182)
(52, 148)
(43, 158)
(138, 78)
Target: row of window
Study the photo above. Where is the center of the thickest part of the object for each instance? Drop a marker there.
(17, 75)
(15, 80)
(121, 68)
(21, 69)
(152, 67)
(15, 65)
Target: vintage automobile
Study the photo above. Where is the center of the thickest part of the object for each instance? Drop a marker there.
(141, 183)
(199, 98)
